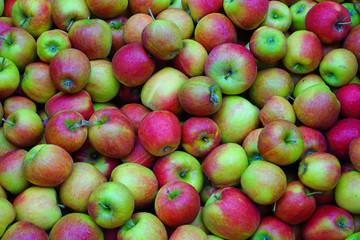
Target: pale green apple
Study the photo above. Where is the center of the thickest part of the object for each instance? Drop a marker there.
(7, 214)
(347, 192)
(278, 16)
(354, 15)
(298, 13)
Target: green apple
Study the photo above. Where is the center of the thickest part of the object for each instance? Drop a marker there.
(354, 15)
(7, 214)
(10, 77)
(278, 16)
(298, 13)
(5, 145)
(347, 192)
(188, 232)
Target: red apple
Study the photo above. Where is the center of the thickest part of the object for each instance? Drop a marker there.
(140, 155)
(135, 112)
(198, 9)
(354, 152)
(352, 42)
(6, 23)
(24, 230)
(349, 98)
(134, 26)
(117, 25)
(13, 103)
(314, 141)
(273, 228)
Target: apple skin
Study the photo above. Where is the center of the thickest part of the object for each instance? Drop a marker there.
(257, 185)
(36, 82)
(6, 23)
(314, 141)
(5, 145)
(298, 13)
(281, 142)
(117, 25)
(305, 82)
(304, 52)
(132, 66)
(199, 9)
(110, 205)
(352, 42)
(340, 135)
(330, 27)
(250, 145)
(75, 191)
(11, 173)
(160, 91)
(276, 108)
(91, 36)
(19, 46)
(23, 128)
(7, 214)
(32, 16)
(39, 206)
(65, 12)
(179, 166)
(79, 101)
(200, 96)
(272, 227)
(188, 232)
(191, 58)
(10, 78)
(354, 150)
(278, 16)
(14, 102)
(349, 98)
(232, 116)
(134, 26)
(141, 6)
(246, 15)
(224, 207)
(319, 171)
(177, 203)
(24, 230)
(296, 205)
(51, 42)
(199, 136)
(143, 225)
(225, 164)
(107, 9)
(70, 70)
(135, 112)
(215, 29)
(140, 180)
(311, 101)
(76, 226)
(346, 192)
(328, 222)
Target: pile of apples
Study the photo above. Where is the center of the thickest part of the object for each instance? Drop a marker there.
(181, 119)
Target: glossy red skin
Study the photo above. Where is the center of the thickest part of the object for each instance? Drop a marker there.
(340, 135)
(13, 103)
(314, 140)
(352, 42)
(274, 228)
(6, 23)
(8, 4)
(116, 25)
(181, 210)
(199, 9)
(160, 132)
(132, 65)
(80, 102)
(322, 18)
(25, 230)
(135, 112)
(323, 224)
(140, 155)
(349, 98)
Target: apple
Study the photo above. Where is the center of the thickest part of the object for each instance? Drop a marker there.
(8, 7)
(188, 232)
(232, 66)
(354, 15)
(246, 15)
(354, 149)
(11, 173)
(278, 16)
(110, 205)
(162, 38)
(319, 171)
(281, 85)
(5, 145)
(142, 225)
(107, 9)
(268, 44)
(329, 20)
(23, 128)
(346, 193)
(230, 214)
(328, 222)
(10, 78)
(7, 214)
(199, 9)
(6, 23)
(65, 12)
(349, 98)
(24, 230)
(199, 136)
(135, 112)
(79, 101)
(39, 206)
(314, 141)
(91, 36)
(298, 10)
(51, 42)
(117, 25)
(33, 16)
(177, 203)
(310, 102)
(296, 205)
(76, 226)
(75, 191)
(191, 58)
(111, 132)
(198, 222)
(141, 182)
(272, 227)
(276, 108)
(140, 155)
(200, 96)
(307, 81)
(250, 145)
(132, 65)
(14, 102)
(156, 6)
(338, 67)
(352, 41)
(160, 91)
(70, 70)
(18, 46)
(215, 29)
(134, 26)
(263, 182)
(340, 135)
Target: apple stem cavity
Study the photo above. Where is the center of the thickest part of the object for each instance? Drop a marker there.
(130, 223)
(205, 139)
(103, 205)
(182, 174)
(9, 42)
(217, 196)
(166, 148)
(295, 67)
(23, 22)
(227, 75)
(213, 97)
(70, 24)
(2, 64)
(173, 194)
(81, 124)
(151, 14)
(8, 122)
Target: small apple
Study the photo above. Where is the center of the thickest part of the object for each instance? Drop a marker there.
(117, 25)
(346, 192)
(349, 98)
(10, 78)
(135, 112)
(276, 108)
(278, 16)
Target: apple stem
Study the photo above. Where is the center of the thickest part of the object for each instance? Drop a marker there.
(217, 197)
(23, 22)
(295, 67)
(183, 173)
(2, 64)
(343, 23)
(290, 97)
(103, 205)
(88, 19)
(205, 139)
(70, 24)
(313, 193)
(227, 75)
(166, 148)
(5, 40)
(274, 208)
(213, 97)
(61, 206)
(130, 223)
(8, 122)
(81, 124)
(151, 14)
(172, 195)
